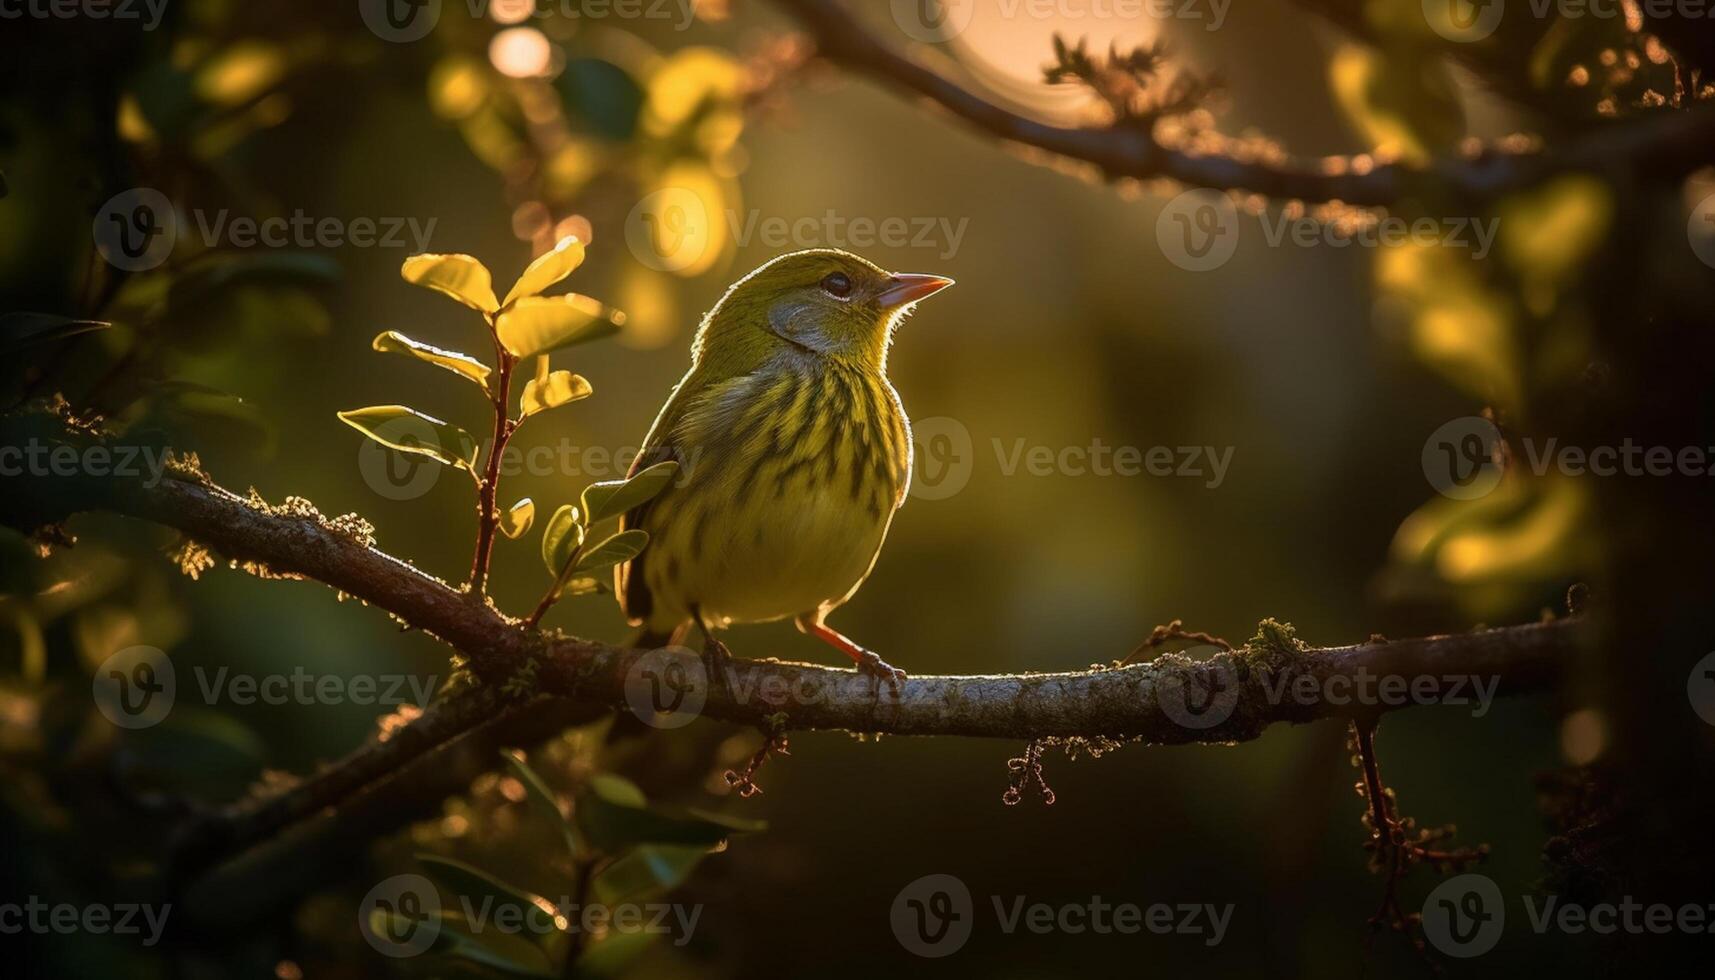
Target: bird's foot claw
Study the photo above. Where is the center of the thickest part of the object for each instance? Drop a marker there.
(716, 657)
(880, 669)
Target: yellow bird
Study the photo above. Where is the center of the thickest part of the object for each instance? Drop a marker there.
(793, 450)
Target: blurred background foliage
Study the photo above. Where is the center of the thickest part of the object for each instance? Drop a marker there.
(1323, 368)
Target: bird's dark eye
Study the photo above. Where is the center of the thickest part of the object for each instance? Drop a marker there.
(837, 284)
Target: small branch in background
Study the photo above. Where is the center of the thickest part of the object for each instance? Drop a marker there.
(1393, 849)
(1026, 772)
(745, 782)
(1174, 630)
(1662, 145)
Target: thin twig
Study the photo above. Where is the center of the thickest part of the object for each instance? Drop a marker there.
(1664, 144)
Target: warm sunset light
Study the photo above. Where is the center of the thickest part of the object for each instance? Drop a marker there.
(708, 489)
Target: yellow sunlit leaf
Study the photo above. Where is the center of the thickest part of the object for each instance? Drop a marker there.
(1551, 231)
(548, 269)
(1405, 105)
(687, 80)
(1544, 541)
(457, 87)
(516, 520)
(133, 125)
(461, 364)
(459, 276)
(538, 324)
(1455, 324)
(240, 73)
(559, 388)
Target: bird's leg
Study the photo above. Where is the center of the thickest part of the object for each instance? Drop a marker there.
(866, 661)
(716, 656)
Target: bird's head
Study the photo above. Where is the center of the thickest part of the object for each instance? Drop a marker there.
(825, 301)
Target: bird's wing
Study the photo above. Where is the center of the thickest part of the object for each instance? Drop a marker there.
(660, 446)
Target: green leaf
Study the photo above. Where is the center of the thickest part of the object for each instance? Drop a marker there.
(516, 520)
(213, 271)
(463, 365)
(460, 939)
(583, 585)
(611, 498)
(539, 324)
(477, 885)
(614, 816)
(177, 403)
(19, 330)
(559, 388)
(605, 95)
(563, 534)
(459, 276)
(543, 799)
(613, 955)
(622, 547)
(647, 872)
(617, 789)
(410, 431)
(548, 268)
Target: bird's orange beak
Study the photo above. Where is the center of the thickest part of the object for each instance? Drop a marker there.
(909, 287)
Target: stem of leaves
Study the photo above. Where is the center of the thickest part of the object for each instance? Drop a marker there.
(584, 869)
(553, 594)
(488, 488)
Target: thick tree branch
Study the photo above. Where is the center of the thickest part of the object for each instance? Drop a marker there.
(1662, 144)
(1231, 696)
(1112, 702)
